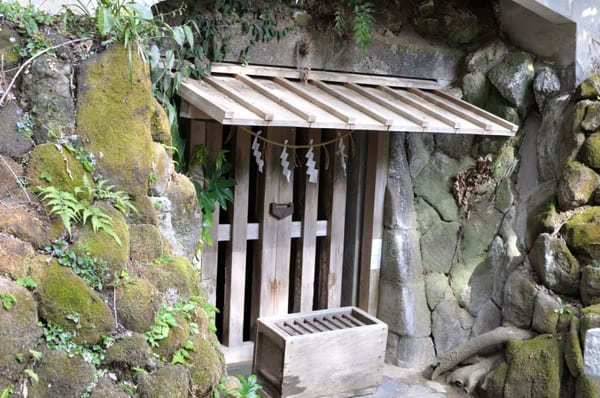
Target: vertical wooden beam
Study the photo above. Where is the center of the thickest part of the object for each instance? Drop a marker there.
(273, 265)
(376, 180)
(307, 251)
(331, 256)
(214, 140)
(235, 271)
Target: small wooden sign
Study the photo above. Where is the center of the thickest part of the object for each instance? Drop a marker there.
(282, 210)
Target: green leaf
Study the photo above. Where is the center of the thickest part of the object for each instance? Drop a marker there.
(8, 391)
(104, 21)
(189, 35)
(179, 35)
(36, 354)
(27, 283)
(32, 374)
(154, 56)
(141, 10)
(20, 358)
(8, 300)
(45, 176)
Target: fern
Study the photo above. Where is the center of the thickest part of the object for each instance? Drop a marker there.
(62, 204)
(340, 19)
(119, 199)
(363, 24)
(100, 221)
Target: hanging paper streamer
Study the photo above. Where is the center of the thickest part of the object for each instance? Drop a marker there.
(285, 164)
(311, 171)
(341, 151)
(256, 152)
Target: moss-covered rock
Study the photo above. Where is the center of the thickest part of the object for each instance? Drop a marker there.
(519, 300)
(475, 88)
(586, 388)
(61, 293)
(590, 318)
(545, 313)
(106, 388)
(64, 170)
(493, 384)
(186, 219)
(9, 41)
(102, 245)
(590, 285)
(162, 168)
(178, 335)
(513, 78)
(573, 354)
(176, 274)
(61, 375)
(29, 225)
(500, 107)
(206, 370)
(18, 331)
(589, 89)
(582, 232)
(159, 124)
(114, 117)
(590, 152)
(147, 243)
(137, 304)
(130, 351)
(576, 185)
(535, 368)
(171, 381)
(146, 213)
(555, 265)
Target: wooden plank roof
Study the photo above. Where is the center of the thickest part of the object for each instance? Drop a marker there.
(285, 97)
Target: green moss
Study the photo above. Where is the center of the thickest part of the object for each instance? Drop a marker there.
(590, 88)
(590, 153)
(178, 335)
(8, 47)
(535, 367)
(65, 171)
(168, 382)
(146, 213)
(464, 33)
(586, 388)
(130, 351)
(161, 129)
(573, 354)
(147, 243)
(177, 274)
(206, 368)
(63, 293)
(583, 232)
(102, 245)
(114, 118)
(590, 285)
(590, 318)
(137, 304)
(493, 384)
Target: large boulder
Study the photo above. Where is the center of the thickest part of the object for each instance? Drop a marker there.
(573, 353)
(114, 117)
(576, 185)
(409, 352)
(590, 152)
(589, 89)
(438, 239)
(18, 332)
(589, 288)
(29, 225)
(535, 368)
(171, 381)
(62, 293)
(591, 121)
(47, 92)
(555, 265)
(106, 388)
(401, 261)
(546, 84)
(476, 88)
(436, 288)
(186, 218)
(450, 325)
(513, 78)
(15, 256)
(9, 43)
(404, 308)
(582, 233)
(61, 375)
(130, 351)
(13, 143)
(137, 303)
(147, 243)
(545, 313)
(206, 369)
(519, 300)
(174, 274)
(488, 56)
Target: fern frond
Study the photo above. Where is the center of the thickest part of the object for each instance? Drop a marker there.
(62, 204)
(100, 221)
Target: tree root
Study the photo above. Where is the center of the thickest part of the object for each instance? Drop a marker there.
(468, 377)
(471, 347)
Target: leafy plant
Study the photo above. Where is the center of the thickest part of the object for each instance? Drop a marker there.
(19, 357)
(36, 354)
(62, 204)
(27, 283)
(164, 258)
(46, 177)
(92, 270)
(7, 392)
(163, 322)
(355, 16)
(119, 199)
(58, 339)
(8, 300)
(153, 177)
(139, 371)
(249, 388)
(32, 374)
(99, 220)
(128, 388)
(28, 21)
(26, 124)
(85, 157)
(183, 354)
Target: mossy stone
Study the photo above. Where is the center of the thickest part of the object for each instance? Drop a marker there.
(101, 245)
(61, 375)
(493, 384)
(62, 292)
(582, 232)
(171, 381)
(147, 243)
(535, 367)
(9, 41)
(137, 303)
(114, 117)
(65, 171)
(590, 152)
(500, 107)
(146, 213)
(589, 89)
(178, 335)
(590, 318)
(589, 288)
(207, 369)
(18, 331)
(586, 388)
(576, 185)
(106, 388)
(177, 274)
(573, 354)
(130, 351)
(159, 125)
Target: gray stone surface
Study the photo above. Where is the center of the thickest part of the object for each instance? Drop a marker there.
(519, 300)
(404, 308)
(590, 285)
(546, 84)
(479, 231)
(12, 142)
(420, 149)
(486, 57)
(436, 288)
(545, 318)
(47, 93)
(513, 78)
(555, 265)
(488, 318)
(450, 325)
(398, 211)
(591, 354)
(455, 146)
(576, 185)
(476, 88)
(401, 260)
(410, 352)
(591, 122)
(438, 246)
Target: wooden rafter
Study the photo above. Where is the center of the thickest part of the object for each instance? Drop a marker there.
(238, 98)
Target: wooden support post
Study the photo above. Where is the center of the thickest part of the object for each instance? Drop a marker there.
(235, 271)
(331, 256)
(214, 140)
(307, 250)
(376, 180)
(272, 269)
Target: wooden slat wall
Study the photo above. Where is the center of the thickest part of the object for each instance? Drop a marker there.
(331, 256)
(372, 234)
(271, 279)
(307, 250)
(235, 272)
(214, 140)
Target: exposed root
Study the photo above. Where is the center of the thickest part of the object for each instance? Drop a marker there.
(458, 354)
(468, 377)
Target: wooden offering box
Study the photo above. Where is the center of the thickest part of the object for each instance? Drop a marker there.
(333, 353)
